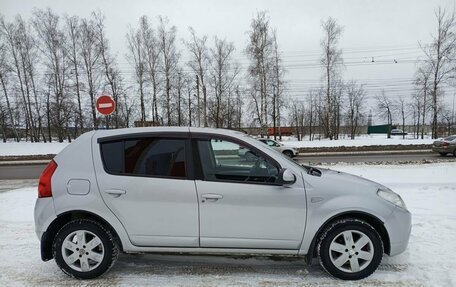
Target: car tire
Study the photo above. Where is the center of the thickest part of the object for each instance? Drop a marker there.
(454, 153)
(443, 153)
(350, 249)
(84, 244)
(288, 153)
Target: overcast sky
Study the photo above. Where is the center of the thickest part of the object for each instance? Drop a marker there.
(384, 30)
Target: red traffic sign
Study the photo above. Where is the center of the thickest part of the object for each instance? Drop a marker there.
(105, 105)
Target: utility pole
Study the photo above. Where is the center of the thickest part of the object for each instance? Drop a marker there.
(198, 102)
(452, 115)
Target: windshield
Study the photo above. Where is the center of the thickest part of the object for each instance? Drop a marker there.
(307, 169)
(450, 138)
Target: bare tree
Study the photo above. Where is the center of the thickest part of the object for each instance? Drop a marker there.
(439, 57)
(259, 50)
(311, 116)
(90, 54)
(355, 105)
(402, 109)
(331, 60)
(74, 34)
(199, 63)
(5, 75)
(111, 71)
(385, 109)
(48, 27)
(19, 41)
(136, 57)
(422, 82)
(278, 85)
(447, 118)
(223, 73)
(170, 56)
(152, 58)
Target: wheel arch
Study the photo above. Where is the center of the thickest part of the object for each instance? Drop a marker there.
(62, 219)
(367, 217)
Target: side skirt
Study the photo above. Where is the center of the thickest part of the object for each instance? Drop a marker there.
(215, 251)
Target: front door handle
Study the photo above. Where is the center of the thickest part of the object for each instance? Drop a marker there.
(115, 192)
(211, 196)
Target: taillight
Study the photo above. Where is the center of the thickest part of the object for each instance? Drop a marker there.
(44, 187)
(445, 144)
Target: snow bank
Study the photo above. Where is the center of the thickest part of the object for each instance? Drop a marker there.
(428, 190)
(28, 148)
(366, 140)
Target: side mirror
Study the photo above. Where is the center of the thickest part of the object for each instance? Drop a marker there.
(286, 176)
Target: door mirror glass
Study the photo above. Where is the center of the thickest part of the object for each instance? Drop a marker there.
(286, 176)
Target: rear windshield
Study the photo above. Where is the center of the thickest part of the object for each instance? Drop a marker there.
(450, 138)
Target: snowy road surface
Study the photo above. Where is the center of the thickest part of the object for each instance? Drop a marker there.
(428, 190)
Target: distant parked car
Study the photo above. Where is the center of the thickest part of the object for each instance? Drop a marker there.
(445, 146)
(286, 150)
(398, 132)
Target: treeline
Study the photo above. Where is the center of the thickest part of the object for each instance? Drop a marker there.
(53, 67)
(338, 103)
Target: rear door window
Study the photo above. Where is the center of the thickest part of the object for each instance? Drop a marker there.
(156, 157)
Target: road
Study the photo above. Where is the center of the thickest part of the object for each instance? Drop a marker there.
(33, 171)
(373, 158)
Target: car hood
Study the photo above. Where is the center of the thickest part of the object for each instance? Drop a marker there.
(337, 181)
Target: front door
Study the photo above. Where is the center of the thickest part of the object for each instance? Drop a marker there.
(145, 182)
(241, 203)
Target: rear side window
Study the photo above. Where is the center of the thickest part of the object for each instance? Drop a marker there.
(112, 156)
(157, 157)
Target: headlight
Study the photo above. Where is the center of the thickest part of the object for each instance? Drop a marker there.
(389, 195)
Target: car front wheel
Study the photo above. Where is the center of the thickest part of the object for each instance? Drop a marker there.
(288, 153)
(84, 249)
(350, 249)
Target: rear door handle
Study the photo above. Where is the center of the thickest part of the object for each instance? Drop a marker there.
(115, 192)
(211, 196)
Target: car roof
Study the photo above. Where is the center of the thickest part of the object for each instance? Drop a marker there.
(128, 131)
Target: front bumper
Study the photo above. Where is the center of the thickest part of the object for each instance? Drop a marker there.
(399, 227)
(295, 152)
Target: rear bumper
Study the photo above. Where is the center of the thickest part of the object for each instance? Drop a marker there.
(44, 215)
(399, 227)
(442, 149)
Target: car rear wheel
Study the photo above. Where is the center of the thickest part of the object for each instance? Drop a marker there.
(443, 153)
(288, 153)
(84, 249)
(350, 249)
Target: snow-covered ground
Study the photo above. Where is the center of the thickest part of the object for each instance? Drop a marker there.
(363, 140)
(428, 190)
(28, 148)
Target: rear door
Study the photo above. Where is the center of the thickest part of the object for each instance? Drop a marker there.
(148, 184)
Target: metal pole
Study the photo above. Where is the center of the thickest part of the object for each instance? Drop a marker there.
(452, 116)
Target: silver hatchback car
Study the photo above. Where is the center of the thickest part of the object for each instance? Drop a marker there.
(188, 190)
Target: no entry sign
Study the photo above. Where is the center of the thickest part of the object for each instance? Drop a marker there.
(105, 105)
